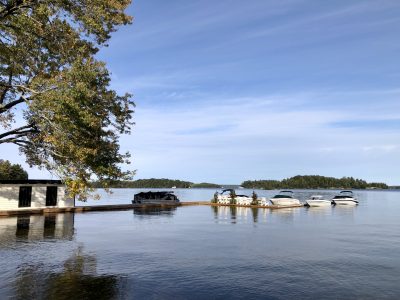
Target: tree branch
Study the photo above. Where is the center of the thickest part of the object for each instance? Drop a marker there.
(8, 106)
(12, 7)
(6, 89)
(21, 131)
(19, 142)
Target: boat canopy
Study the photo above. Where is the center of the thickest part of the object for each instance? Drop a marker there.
(287, 192)
(227, 190)
(349, 193)
(156, 196)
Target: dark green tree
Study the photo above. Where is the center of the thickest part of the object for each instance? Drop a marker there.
(254, 196)
(9, 171)
(232, 195)
(215, 198)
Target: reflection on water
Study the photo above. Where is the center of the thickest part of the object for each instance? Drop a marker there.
(254, 212)
(78, 279)
(36, 227)
(154, 211)
(250, 214)
(201, 252)
(319, 210)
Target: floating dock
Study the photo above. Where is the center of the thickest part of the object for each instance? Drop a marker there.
(116, 207)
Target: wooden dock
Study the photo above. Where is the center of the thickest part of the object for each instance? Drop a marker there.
(116, 207)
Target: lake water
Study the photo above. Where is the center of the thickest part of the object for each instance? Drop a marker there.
(202, 252)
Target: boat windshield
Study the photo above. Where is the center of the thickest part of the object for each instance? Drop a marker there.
(227, 191)
(346, 192)
(282, 196)
(341, 197)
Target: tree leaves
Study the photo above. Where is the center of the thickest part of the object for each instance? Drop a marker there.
(10, 171)
(48, 69)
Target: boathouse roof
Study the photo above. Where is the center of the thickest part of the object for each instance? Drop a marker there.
(32, 181)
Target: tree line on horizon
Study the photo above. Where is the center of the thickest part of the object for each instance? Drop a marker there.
(154, 183)
(313, 182)
(296, 182)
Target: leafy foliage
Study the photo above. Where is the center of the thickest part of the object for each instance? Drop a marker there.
(48, 71)
(312, 182)
(10, 171)
(205, 185)
(254, 196)
(215, 198)
(233, 195)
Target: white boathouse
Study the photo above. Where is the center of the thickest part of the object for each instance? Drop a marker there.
(25, 194)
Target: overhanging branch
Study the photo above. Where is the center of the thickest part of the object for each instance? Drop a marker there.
(17, 132)
(8, 106)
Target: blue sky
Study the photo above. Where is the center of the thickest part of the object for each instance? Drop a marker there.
(230, 90)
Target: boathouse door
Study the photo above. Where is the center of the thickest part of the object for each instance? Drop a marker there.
(51, 196)
(25, 196)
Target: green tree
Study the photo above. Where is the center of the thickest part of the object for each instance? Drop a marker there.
(10, 171)
(50, 76)
(232, 195)
(254, 196)
(215, 198)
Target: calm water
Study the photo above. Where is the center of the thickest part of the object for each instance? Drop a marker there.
(201, 252)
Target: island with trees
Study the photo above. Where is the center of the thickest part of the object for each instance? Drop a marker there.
(296, 182)
(154, 183)
(313, 182)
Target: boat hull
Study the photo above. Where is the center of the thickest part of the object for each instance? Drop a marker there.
(345, 202)
(285, 201)
(314, 203)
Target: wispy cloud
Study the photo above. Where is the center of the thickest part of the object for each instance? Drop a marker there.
(227, 91)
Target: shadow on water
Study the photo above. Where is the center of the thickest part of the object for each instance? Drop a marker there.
(78, 279)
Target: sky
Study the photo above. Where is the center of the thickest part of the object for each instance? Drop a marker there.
(231, 90)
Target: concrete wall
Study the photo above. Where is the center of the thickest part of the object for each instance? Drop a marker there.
(9, 195)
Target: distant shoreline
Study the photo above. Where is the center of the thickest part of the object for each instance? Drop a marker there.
(293, 189)
(297, 182)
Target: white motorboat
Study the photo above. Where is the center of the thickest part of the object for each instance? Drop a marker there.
(284, 198)
(318, 200)
(225, 198)
(262, 201)
(345, 198)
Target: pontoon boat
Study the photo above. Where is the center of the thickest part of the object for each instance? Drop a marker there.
(155, 198)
